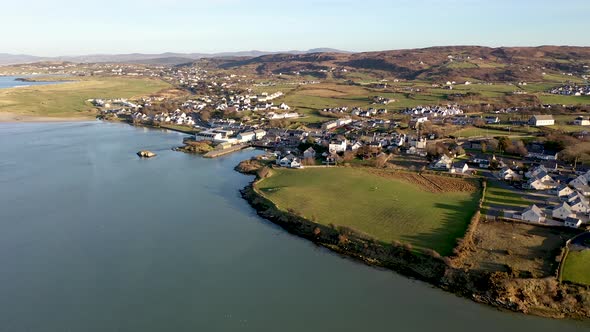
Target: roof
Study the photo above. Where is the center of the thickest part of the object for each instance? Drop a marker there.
(534, 209)
(543, 117)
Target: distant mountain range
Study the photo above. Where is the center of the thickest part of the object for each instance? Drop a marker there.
(167, 58)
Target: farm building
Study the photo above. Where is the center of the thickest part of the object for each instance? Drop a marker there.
(541, 120)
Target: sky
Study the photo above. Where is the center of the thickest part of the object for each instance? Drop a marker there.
(77, 27)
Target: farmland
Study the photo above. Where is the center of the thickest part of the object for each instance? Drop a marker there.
(70, 99)
(516, 247)
(384, 206)
(577, 267)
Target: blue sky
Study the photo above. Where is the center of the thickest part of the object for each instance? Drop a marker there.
(70, 27)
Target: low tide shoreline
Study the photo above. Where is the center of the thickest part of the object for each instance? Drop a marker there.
(7, 117)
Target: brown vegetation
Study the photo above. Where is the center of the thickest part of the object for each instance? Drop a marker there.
(431, 183)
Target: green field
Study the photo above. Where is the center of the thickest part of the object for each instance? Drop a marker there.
(476, 132)
(500, 197)
(386, 209)
(70, 99)
(577, 267)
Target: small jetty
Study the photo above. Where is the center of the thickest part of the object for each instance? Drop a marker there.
(223, 151)
(146, 154)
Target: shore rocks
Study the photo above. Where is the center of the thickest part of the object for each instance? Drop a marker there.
(146, 154)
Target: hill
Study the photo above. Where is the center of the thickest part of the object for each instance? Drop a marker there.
(435, 63)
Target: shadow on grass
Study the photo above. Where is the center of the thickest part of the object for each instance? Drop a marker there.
(453, 224)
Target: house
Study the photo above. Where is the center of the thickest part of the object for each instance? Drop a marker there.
(580, 205)
(337, 146)
(309, 153)
(541, 120)
(536, 171)
(573, 222)
(508, 174)
(492, 119)
(581, 184)
(533, 214)
(563, 191)
(356, 145)
(260, 133)
(444, 162)
(461, 169)
(562, 211)
(246, 136)
(289, 161)
(541, 182)
(582, 121)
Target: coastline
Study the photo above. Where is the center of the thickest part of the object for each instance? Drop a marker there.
(8, 117)
(544, 297)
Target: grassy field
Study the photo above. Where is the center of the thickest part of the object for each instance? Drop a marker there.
(384, 208)
(476, 132)
(496, 196)
(577, 267)
(70, 99)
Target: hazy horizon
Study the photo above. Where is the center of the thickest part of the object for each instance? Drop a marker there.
(70, 28)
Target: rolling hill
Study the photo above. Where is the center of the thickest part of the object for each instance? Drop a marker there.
(434, 63)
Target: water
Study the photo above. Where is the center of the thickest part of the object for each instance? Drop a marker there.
(10, 82)
(95, 239)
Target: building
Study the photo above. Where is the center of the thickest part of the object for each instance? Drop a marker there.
(247, 136)
(533, 214)
(582, 121)
(562, 211)
(541, 120)
(573, 222)
(444, 162)
(337, 146)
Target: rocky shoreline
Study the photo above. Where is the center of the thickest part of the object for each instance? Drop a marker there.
(544, 297)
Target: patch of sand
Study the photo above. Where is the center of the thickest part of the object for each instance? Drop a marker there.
(12, 117)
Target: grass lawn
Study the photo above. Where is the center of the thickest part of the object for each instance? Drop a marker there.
(70, 99)
(473, 132)
(577, 267)
(386, 209)
(497, 196)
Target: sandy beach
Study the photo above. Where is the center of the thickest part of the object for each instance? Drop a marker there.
(12, 117)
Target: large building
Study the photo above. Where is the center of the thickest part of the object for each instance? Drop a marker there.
(541, 120)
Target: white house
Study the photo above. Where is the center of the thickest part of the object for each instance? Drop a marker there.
(289, 161)
(580, 205)
(562, 211)
(444, 162)
(563, 191)
(533, 214)
(582, 121)
(541, 120)
(260, 133)
(337, 146)
(573, 222)
(460, 169)
(581, 184)
(536, 171)
(509, 175)
(541, 182)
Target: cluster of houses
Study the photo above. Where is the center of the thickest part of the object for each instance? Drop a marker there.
(571, 90)
(357, 111)
(570, 205)
(177, 117)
